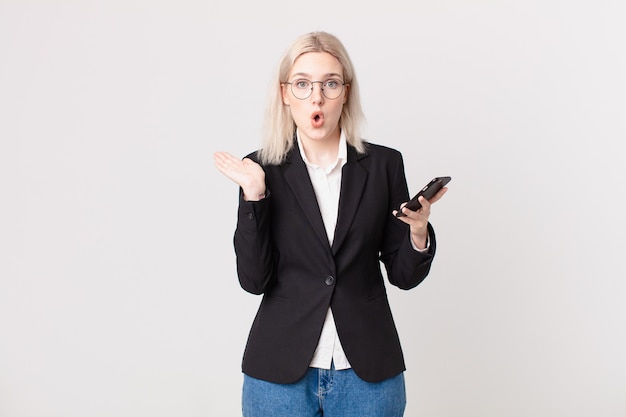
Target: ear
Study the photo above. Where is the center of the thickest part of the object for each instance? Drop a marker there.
(284, 90)
(345, 95)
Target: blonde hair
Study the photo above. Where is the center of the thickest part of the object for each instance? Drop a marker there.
(279, 127)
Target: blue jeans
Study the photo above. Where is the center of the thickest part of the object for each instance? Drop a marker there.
(324, 392)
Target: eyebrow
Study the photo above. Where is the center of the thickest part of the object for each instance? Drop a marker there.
(329, 75)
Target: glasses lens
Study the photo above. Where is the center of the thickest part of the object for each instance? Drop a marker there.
(332, 88)
(301, 88)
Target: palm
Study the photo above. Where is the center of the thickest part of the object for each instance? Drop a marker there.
(242, 171)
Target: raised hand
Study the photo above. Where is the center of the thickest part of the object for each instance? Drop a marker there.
(245, 172)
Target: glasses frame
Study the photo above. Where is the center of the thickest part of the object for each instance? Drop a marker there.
(343, 85)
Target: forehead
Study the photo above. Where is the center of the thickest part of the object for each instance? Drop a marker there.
(316, 64)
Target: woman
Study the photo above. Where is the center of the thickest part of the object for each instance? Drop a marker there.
(316, 216)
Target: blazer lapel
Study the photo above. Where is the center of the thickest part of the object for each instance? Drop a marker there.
(353, 179)
(297, 176)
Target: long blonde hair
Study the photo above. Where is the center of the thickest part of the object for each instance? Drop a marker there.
(279, 127)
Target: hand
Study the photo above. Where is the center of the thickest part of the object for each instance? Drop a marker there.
(245, 172)
(418, 220)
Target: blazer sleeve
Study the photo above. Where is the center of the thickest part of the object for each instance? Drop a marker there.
(406, 268)
(252, 242)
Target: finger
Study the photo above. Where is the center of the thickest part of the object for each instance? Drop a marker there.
(413, 214)
(230, 166)
(404, 218)
(221, 158)
(225, 158)
(439, 194)
(227, 162)
(220, 155)
(425, 208)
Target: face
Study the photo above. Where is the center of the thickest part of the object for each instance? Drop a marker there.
(317, 117)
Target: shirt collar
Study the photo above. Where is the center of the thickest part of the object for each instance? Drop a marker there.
(342, 152)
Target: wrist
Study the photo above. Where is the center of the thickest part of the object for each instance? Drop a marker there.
(420, 240)
(254, 195)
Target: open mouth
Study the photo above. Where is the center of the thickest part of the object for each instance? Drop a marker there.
(317, 119)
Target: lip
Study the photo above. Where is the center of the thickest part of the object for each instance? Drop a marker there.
(317, 119)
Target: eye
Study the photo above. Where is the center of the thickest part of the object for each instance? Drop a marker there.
(332, 84)
(302, 84)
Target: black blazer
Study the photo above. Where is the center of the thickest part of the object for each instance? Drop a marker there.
(282, 251)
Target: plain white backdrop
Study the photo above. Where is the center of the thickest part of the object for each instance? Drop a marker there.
(118, 292)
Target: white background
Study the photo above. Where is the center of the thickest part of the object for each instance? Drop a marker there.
(118, 292)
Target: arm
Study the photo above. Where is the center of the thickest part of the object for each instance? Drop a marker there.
(252, 236)
(253, 249)
(408, 252)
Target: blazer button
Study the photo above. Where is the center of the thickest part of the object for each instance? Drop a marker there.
(329, 280)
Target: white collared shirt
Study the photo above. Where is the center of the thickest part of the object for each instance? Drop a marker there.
(327, 186)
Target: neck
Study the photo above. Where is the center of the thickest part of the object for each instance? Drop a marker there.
(322, 153)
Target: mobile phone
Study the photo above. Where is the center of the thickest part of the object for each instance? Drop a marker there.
(428, 192)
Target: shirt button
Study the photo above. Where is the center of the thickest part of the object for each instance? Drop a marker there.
(329, 280)
(250, 216)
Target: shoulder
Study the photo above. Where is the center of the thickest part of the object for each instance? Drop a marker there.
(378, 158)
(256, 157)
(380, 151)
(253, 156)
(289, 156)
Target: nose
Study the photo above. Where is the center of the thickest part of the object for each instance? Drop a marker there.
(317, 96)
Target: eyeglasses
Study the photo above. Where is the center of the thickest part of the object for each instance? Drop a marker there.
(331, 88)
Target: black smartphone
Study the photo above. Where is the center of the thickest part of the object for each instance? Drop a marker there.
(428, 192)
